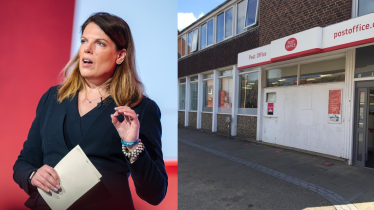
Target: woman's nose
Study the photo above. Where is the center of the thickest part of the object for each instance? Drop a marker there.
(87, 50)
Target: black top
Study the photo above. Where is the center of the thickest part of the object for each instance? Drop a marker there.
(47, 144)
(73, 119)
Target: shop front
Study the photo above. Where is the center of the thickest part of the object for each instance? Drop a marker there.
(316, 91)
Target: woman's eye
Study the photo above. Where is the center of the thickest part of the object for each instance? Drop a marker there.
(82, 41)
(101, 44)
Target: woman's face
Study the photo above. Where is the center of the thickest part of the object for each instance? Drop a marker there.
(98, 55)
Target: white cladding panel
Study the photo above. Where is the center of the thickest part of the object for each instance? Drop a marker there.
(350, 31)
(300, 119)
(306, 40)
(260, 55)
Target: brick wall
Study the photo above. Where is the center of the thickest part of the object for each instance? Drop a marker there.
(206, 121)
(219, 55)
(222, 125)
(247, 126)
(181, 118)
(280, 18)
(192, 119)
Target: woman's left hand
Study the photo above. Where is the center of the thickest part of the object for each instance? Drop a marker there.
(128, 130)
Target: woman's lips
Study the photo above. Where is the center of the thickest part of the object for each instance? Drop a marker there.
(86, 64)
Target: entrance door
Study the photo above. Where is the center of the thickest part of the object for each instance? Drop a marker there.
(361, 126)
(363, 138)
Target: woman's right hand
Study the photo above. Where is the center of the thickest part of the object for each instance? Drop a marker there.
(46, 179)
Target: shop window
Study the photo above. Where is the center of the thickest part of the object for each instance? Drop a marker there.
(365, 7)
(248, 93)
(224, 25)
(206, 34)
(364, 62)
(193, 96)
(282, 76)
(225, 92)
(323, 71)
(208, 76)
(208, 95)
(194, 79)
(182, 96)
(225, 73)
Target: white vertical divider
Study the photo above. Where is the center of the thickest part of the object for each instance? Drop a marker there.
(348, 103)
(199, 100)
(234, 108)
(260, 106)
(187, 107)
(215, 100)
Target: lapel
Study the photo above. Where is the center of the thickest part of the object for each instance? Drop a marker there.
(52, 131)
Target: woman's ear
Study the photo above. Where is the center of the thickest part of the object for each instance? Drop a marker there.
(121, 56)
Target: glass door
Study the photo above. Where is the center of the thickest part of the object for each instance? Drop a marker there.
(361, 126)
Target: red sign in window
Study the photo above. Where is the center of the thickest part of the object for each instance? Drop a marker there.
(270, 108)
(291, 44)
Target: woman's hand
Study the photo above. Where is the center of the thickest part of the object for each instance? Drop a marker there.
(128, 130)
(46, 179)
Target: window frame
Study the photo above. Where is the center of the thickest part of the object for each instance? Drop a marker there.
(245, 21)
(206, 36)
(301, 62)
(355, 8)
(213, 17)
(185, 44)
(224, 24)
(197, 102)
(258, 78)
(180, 84)
(210, 78)
(236, 18)
(233, 87)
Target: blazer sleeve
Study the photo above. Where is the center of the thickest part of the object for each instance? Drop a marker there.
(148, 171)
(31, 156)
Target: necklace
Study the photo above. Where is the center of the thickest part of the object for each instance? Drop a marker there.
(94, 99)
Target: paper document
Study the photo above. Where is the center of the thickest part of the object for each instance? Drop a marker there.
(77, 176)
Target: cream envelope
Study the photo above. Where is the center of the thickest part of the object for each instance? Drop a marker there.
(77, 176)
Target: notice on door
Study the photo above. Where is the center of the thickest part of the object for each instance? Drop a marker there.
(270, 108)
(335, 100)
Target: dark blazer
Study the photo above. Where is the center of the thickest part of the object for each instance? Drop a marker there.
(45, 144)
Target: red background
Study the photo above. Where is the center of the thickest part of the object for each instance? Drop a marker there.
(35, 45)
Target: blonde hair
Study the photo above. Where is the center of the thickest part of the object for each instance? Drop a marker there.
(124, 86)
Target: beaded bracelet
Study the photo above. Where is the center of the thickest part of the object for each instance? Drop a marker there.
(134, 154)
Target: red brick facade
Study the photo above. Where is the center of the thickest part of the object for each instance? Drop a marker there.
(280, 18)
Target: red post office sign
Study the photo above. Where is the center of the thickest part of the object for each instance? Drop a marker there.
(270, 108)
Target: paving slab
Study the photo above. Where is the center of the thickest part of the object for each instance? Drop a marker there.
(352, 183)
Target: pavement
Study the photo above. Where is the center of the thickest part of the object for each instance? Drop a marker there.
(215, 172)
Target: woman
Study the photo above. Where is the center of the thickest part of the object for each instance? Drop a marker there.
(103, 80)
